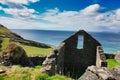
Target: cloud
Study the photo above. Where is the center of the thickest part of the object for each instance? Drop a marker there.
(15, 23)
(26, 2)
(91, 10)
(89, 18)
(23, 13)
(17, 8)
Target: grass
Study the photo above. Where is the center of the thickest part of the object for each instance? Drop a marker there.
(26, 73)
(36, 51)
(112, 63)
(5, 42)
(30, 50)
(4, 30)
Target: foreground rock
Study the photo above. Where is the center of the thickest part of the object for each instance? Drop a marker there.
(94, 73)
(116, 72)
(14, 54)
(117, 56)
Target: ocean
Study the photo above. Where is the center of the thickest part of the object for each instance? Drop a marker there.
(110, 41)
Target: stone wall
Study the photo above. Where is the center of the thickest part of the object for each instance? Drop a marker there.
(101, 58)
(54, 63)
(79, 59)
(68, 60)
(109, 56)
(95, 73)
(37, 60)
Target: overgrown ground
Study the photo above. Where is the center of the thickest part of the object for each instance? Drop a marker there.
(18, 72)
(26, 73)
(112, 63)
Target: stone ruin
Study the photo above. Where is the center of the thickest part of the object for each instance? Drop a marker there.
(85, 63)
(71, 61)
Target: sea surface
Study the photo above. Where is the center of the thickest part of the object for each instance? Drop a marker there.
(110, 41)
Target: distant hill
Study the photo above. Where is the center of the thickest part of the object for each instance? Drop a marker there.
(6, 33)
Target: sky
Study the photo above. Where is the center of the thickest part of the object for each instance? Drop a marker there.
(72, 15)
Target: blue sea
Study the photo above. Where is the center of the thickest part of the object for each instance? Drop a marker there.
(110, 41)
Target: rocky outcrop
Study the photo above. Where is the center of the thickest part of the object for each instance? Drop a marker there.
(49, 65)
(14, 54)
(116, 72)
(101, 73)
(117, 56)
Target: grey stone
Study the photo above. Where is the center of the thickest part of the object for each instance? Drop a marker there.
(95, 73)
(117, 56)
(116, 72)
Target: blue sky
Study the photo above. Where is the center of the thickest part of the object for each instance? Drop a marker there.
(90, 15)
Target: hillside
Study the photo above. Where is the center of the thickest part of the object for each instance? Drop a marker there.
(6, 33)
(32, 48)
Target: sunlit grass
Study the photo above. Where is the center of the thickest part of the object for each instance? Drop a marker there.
(26, 73)
(30, 50)
(5, 42)
(4, 30)
(36, 51)
(112, 63)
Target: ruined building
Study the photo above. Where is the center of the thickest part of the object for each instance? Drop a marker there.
(69, 60)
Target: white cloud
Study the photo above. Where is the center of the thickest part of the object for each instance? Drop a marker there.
(15, 23)
(91, 10)
(89, 19)
(18, 1)
(25, 12)
(16, 8)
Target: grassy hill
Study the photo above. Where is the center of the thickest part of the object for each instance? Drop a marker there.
(4, 29)
(32, 48)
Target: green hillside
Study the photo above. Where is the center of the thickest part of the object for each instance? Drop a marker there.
(4, 29)
(32, 48)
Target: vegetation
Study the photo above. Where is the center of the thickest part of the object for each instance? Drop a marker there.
(112, 63)
(36, 51)
(4, 30)
(30, 50)
(5, 42)
(26, 73)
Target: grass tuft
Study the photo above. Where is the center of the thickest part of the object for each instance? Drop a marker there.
(112, 63)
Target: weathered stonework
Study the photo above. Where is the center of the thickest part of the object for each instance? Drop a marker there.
(95, 73)
(67, 59)
(109, 56)
(37, 60)
(117, 56)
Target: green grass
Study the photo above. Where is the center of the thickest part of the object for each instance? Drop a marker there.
(4, 30)
(5, 42)
(26, 73)
(30, 50)
(112, 63)
(36, 51)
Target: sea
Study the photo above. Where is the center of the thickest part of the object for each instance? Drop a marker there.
(109, 40)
